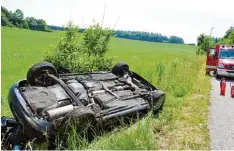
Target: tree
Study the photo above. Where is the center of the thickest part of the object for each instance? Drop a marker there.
(5, 17)
(32, 23)
(175, 39)
(204, 42)
(4, 20)
(228, 32)
(231, 38)
(25, 24)
(18, 14)
(18, 18)
(41, 25)
(228, 38)
(35, 24)
(6, 12)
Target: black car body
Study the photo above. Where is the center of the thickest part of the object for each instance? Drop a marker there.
(48, 99)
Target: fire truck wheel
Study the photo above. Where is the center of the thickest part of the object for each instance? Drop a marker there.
(217, 76)
(215, 72)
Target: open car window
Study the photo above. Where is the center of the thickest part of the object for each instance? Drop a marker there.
(212, 52)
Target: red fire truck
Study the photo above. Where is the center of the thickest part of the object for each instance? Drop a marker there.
(221, 61)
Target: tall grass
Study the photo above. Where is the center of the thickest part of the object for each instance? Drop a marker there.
(175, 77)
(138, 136)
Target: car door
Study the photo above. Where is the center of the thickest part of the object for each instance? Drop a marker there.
(211, 60)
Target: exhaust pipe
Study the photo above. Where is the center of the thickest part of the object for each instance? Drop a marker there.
(58, 112)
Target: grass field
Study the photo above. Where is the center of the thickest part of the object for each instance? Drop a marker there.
(173, 68)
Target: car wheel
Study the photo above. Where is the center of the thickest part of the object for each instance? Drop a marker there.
(80, 122)
(36, 74)
(120, 69)
(81, 118)
(158, 99)
(62, 70)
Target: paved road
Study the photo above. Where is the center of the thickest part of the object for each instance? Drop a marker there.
(221, 120)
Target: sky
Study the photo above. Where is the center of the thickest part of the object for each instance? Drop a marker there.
(183, 18)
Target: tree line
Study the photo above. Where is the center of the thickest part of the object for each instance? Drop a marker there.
(136, 35)
(16, 19)
(204, 42)
(146, 36)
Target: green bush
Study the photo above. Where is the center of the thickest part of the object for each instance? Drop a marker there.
(82, 53)
(96, 40)
(228, 38)
(204, 42)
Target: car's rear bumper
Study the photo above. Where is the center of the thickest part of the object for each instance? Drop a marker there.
(225, 72)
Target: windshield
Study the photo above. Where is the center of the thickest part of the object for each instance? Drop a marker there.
(226, 54)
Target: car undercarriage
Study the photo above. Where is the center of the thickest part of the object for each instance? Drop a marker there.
(49, 99)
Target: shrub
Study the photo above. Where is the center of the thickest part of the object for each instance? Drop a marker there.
(82, 53)
(96, 40)
(204, 42)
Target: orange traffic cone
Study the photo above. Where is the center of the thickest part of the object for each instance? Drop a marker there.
(232, 90)
(222, 86)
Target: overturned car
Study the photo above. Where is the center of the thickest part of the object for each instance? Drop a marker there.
(53, 97)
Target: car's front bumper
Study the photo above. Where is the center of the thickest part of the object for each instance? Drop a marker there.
(225, 72)
(30, 126)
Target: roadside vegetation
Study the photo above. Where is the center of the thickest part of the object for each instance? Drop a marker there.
(82, 53)
(204, 41)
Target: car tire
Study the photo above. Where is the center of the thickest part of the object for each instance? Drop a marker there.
(81, 118)
(120, 69)
(35, 74)
(158, 99)
(80, 121)
(62, 70)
